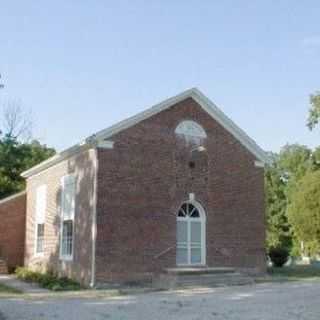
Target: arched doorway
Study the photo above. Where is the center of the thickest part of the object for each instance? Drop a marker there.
(191, 234)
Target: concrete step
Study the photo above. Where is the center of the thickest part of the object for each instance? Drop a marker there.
(214, 281)
(209, 278)
(3, 267)
(199, 270)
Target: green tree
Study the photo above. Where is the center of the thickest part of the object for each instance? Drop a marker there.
(315, 159)
(304, 212)
(17, 154)
(295, 160)
(314, 112)
(16, 157)
(278, 228)
(281, 178)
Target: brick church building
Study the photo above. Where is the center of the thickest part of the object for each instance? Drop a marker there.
(176, 187)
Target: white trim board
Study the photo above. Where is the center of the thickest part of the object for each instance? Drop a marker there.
(193, 93)
(88, 143)
(206, 104)
(12, 197)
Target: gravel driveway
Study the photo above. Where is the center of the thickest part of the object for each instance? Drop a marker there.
(276, 301)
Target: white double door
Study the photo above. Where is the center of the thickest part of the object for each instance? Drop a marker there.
(190, 241)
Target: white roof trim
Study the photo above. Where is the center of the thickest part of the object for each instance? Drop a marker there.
(206, 104)
(16, 195)
(259, 164)
(193, 93)
(105, 144)
(55, 159)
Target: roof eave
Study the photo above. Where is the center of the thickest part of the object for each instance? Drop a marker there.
(90, 142)
(194, 93)
(206, 104)
(54, 160)
(230, 126)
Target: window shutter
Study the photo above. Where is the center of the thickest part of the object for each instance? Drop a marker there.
(41, 204)
(68, 197)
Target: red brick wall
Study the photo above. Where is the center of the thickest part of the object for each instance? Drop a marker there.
(145, 178)
(12, 230)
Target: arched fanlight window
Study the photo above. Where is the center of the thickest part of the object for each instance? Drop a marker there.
(191, 129)
(191, 226)
(191, 132)
(188, 210)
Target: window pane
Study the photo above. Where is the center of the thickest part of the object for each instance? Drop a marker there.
(40, 238)
(190, 208)
(181, 213)
(184, 208)
(195, 255)
(182, 231)
(195, 213)
(182, 255)
(195, 232)
(67, 238)
(68, 197)
(68, 202)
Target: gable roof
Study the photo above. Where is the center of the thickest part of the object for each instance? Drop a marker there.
(107, 133)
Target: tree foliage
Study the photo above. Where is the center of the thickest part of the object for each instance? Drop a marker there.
(281, 178)
(314, 112)
(279, 256)
(304, 212)
(278, 229)
(295, 160)
(16, 155)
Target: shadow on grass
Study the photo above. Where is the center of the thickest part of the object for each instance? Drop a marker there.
(291, 273)
(302, 271)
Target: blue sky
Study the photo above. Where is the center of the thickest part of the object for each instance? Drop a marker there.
(81, 66)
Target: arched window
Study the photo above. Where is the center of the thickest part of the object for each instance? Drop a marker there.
(190, 128)
(192, 133)
(191, 229)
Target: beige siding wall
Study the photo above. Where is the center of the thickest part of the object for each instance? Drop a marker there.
(82, 166)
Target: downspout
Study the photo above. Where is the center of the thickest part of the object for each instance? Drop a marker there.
(106, 144)
(94, 218)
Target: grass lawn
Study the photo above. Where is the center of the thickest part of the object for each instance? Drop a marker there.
(5, 289)
(294, 273)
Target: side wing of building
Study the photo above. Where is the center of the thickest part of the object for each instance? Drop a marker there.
(59, 217)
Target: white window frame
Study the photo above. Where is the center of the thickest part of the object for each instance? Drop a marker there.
(40, 216)
(202, 220)
(67, 179)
